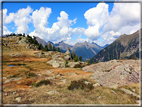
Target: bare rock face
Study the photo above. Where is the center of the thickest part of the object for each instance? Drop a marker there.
(72, 64)
(115, 74)
(23, 41)
(67, 55)
(57, 60)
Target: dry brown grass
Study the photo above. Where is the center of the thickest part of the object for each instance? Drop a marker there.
(38, 95)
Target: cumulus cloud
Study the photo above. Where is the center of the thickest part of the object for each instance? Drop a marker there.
(96, 18)
(40, 18)
(60, 30)
(123, 19)
(5, 29)
(123, 14)
(21, 19)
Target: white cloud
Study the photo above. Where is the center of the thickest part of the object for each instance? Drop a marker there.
(6, 31)
(96, 18)
(123, 14)
(22, 19)
(60, 30)
(40, 18)
(9, 18)
(124, 19)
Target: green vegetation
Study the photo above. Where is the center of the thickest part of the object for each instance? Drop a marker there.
(40, 47)
(76, 59)
(66, 64)
(46, 48)
(112, 52)
(50, 46)
(58, 49)
(20, 38)
(31, 75)
(80, 58)
(54, 49)
(73, 54)
(43, 82)
(80, 84)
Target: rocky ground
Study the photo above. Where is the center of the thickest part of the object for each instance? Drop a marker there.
(25, 68)
(115, 73)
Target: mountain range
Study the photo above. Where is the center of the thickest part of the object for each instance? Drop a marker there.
(123, 47)
(86, 49)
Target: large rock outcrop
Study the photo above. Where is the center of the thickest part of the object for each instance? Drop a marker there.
(115, 73)
(57, 60)
(67, 55)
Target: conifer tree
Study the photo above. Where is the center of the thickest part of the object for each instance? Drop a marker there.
(54, 49)
(80, 58)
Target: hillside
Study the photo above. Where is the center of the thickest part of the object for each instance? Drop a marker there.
(33, 76)
(124, 47)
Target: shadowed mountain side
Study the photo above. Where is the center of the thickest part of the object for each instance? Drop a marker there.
(125, 46)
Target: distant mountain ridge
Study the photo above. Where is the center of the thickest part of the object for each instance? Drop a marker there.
(86, 49)
(124, 47)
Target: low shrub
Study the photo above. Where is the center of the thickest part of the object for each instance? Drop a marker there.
(78, 66)
(31, 75)
(80, 85)
(43, 82)
(12, 76)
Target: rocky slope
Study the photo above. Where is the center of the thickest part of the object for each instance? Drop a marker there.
(115, 73)
(123, 47)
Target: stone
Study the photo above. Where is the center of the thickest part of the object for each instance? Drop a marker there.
(67, 55)
(99, 97)
(58, 75)
(55, 64)
(39, 74)
(4, 77)
(52, 92)
(7, 81)
(71, 73)
(15, 79)
(49, 78)
(133, 90)
(19, 82)
(23, 41)
(113, 92)
(122, 76)
(72, 64)
(130, 92)
(97, 84)
(6, 94)
(14, 92)
(87, 82)
(18, 99)
(49, 71)
(63, 80)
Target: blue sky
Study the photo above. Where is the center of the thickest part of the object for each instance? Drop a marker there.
(101, 23)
